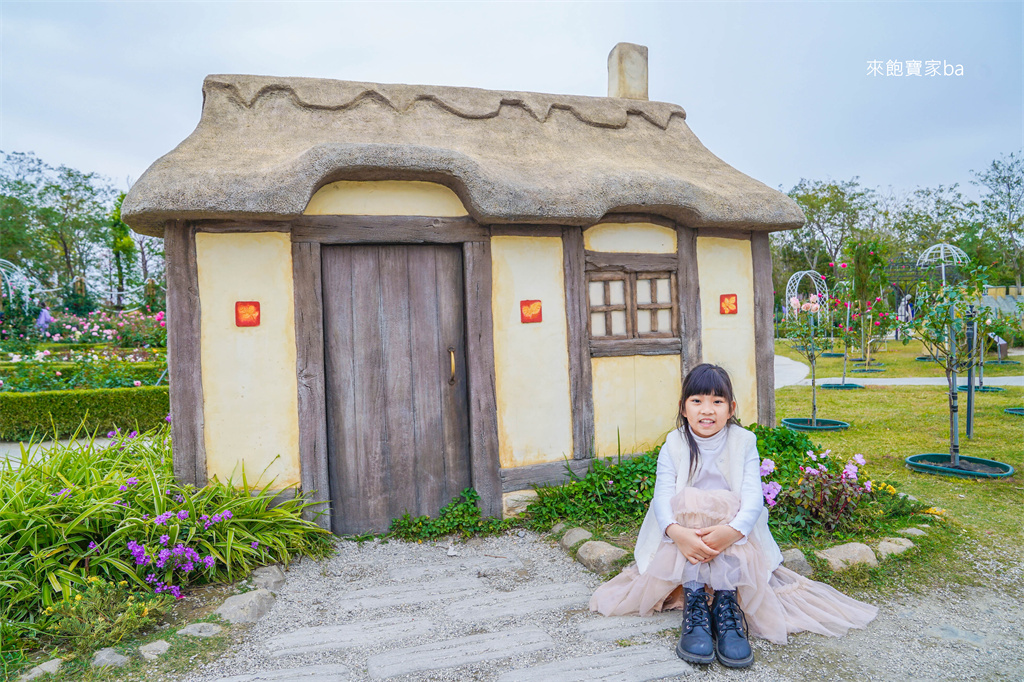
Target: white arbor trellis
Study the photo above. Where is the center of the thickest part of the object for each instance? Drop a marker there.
(942, 255)
(13, 278)
(820, 290)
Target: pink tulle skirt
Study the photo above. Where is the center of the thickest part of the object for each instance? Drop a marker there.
(776, 603)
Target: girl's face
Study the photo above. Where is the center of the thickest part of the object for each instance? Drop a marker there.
(707, 414)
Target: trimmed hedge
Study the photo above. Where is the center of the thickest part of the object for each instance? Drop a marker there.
(103, 410)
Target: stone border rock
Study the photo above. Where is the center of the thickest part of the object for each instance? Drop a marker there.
(597, 555)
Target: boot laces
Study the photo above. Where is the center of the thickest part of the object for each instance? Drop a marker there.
(728, 615)
(697, 614)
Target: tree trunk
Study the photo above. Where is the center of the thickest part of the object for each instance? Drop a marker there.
(120, 281)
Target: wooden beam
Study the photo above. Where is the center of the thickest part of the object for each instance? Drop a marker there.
(689, 298)
(723, 233)
(526, 230)
(636, 218)
(354, 229)
(184, 357)
(483, 405)
(607, 348)
(550, 473)
(631, 262)
(764, 327)
(243, 226)
(581, 385)
(309, 371)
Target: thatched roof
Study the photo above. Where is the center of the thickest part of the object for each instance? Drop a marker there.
(264, 145)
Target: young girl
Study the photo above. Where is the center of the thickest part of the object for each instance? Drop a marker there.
(707, 526)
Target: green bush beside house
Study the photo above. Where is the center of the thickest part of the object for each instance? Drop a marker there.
(27, 415)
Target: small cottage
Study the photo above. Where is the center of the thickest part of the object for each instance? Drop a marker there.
(383, 294)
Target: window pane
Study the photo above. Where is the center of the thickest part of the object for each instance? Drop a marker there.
(665, 321)
(643, 291)
(618, 323)
(664, 294)
(643, 321)
(597, 324)
(597, 293)
(618, 291)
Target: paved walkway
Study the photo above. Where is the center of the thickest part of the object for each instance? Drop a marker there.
(12, 451)
(792, 373)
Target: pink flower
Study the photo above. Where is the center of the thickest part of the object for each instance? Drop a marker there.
(137, 382)
(877, 323)
(805, 307)
(813, 298)
(767, 467)
(871, 253)
(867, 486)
(878, 299)
(831, 265)
(842, 265)
(795, 302)
(815, 307)
(57, 373)
(859, 459)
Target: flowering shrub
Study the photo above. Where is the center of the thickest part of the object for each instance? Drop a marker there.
(79, 511)
(101, 615)
(136, 329)
(44, 370)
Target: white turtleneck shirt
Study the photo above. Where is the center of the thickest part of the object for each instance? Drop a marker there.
(708, 476)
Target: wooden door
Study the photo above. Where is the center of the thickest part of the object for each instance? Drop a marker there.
(397, 408)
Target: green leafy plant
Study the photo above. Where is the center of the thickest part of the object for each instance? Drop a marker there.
(610, 493)
(102, 614)
(459, 517)
(828, 493)
(80, 510)
(60, 413)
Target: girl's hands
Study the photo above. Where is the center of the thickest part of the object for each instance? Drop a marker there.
(691, 545)
(719, 537)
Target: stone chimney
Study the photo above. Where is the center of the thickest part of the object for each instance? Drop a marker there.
(627, 71)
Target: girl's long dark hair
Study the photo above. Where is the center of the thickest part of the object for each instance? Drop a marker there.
(705, 379)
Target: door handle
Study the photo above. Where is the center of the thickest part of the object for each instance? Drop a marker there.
(451, 357)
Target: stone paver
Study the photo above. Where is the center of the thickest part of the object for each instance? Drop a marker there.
(520, 602)
(246, 608)
(50, 667)
(358, 633)
(109, 656)
(630, 664)
(456, 652)
(154, 650)
(201, 630)
(388, 596)
(912, 532)
(614, 628)
(470, 566)
(844, 556)
(890, 546)
(310, 673)
(598, 556)
(574, 536)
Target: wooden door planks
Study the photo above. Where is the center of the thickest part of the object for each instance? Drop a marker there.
(577, 325)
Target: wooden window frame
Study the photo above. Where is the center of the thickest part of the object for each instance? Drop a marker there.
(629, 268)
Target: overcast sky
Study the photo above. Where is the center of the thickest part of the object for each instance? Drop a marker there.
(779, 90)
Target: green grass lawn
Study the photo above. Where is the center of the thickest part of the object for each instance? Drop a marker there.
(890, 423)
(899, 362)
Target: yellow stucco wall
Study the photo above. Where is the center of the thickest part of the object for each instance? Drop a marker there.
(636, 399)
(385, 197)
(531, 361)
(250, 394)
(630, 238)
(725, 267)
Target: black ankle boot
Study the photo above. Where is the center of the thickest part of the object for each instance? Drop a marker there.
(729, 624)
(695, 645)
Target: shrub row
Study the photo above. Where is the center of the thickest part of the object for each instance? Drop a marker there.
(63, 412)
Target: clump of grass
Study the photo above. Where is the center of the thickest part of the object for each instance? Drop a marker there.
(459, 517)
(80, 511)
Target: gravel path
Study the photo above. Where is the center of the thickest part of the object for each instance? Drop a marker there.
(514, 608)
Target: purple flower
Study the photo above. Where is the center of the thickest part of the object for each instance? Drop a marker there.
(179, 498)
(850, 472)
(859, 459)
(133, 434)
(167, 419)
(164, 539)
(228, 514)
(123, 488)
(112, 434)
(209, 561)
(867, 486)
(215, 519)
(93, 545)
(183, 515)
(255, 544)
(132, 480)
(767, 467)
(61, 492)
(163, 518)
